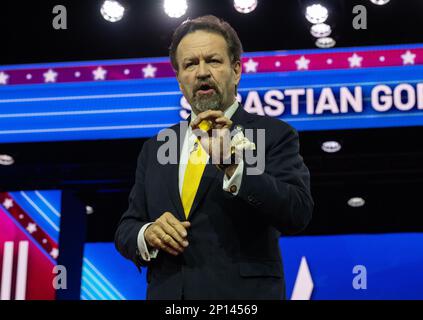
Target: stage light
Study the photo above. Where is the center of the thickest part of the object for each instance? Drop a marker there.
(175, 8)
(316, 13)
(6, 160)
(331, 146)
(356, 202)
(89, 209)
(320, 30)
(245, 6)
(326, 42)
(112, 10)
(380, 2)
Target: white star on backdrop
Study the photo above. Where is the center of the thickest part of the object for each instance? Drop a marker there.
(355, 60)
(408, 57)
(99, 74)
(31, 228)
(251, 65)
(3, 77)
(302, 63)
(50, 75)
(8, 203)
(149, 71)
(54, 253)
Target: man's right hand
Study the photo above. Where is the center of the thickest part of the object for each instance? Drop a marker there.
(168, 233)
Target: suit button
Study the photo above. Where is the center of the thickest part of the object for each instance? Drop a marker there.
(254, 201)
(233, 189)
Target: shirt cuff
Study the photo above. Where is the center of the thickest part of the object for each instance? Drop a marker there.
(233, 184)
(142, 246)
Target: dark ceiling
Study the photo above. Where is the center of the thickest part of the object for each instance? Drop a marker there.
(384, 166)
(27, 34)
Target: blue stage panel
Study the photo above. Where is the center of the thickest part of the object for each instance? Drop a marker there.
(327, 99)
(393, 264)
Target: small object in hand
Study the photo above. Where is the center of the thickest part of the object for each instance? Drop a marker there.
(205, 125)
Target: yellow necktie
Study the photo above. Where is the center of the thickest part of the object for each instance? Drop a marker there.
(193, 173)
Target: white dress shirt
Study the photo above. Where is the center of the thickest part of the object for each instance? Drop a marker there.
(187, 148)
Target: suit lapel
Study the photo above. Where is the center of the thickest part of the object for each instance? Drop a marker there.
(173, 174)
(240, 117)
(209, 175)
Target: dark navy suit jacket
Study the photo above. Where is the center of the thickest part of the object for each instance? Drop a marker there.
(233, 250)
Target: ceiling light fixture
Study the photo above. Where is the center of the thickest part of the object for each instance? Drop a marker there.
(112, 10)
(380, 2)
(89, 209)
(326, 42)
(331, 146)
(6, 160)
(245, 6)
(320, 30)
(175, 8)
(316, 13)
(356, 202)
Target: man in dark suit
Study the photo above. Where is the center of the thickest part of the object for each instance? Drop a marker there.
(208, 231)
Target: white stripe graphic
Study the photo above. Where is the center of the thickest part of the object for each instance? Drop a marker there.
(48, 204)
(97, 96)
(82, 112)
(104, 279)
(93, 288)
(100, 285)
(167, 93)
(55, 227)
(88, 293)
(321, 85)
(6, 277)
(165, 125)
(141, 126)
(21, 275)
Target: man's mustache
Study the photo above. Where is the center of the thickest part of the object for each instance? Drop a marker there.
(205, 86)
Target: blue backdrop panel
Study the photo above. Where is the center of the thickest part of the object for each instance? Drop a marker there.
(393, 264)
(368, 97)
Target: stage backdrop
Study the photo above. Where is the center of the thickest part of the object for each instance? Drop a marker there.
(29, 244)
(364, 87)
(311, 89)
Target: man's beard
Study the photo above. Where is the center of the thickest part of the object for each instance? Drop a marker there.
(204, 102)
(207, 102)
